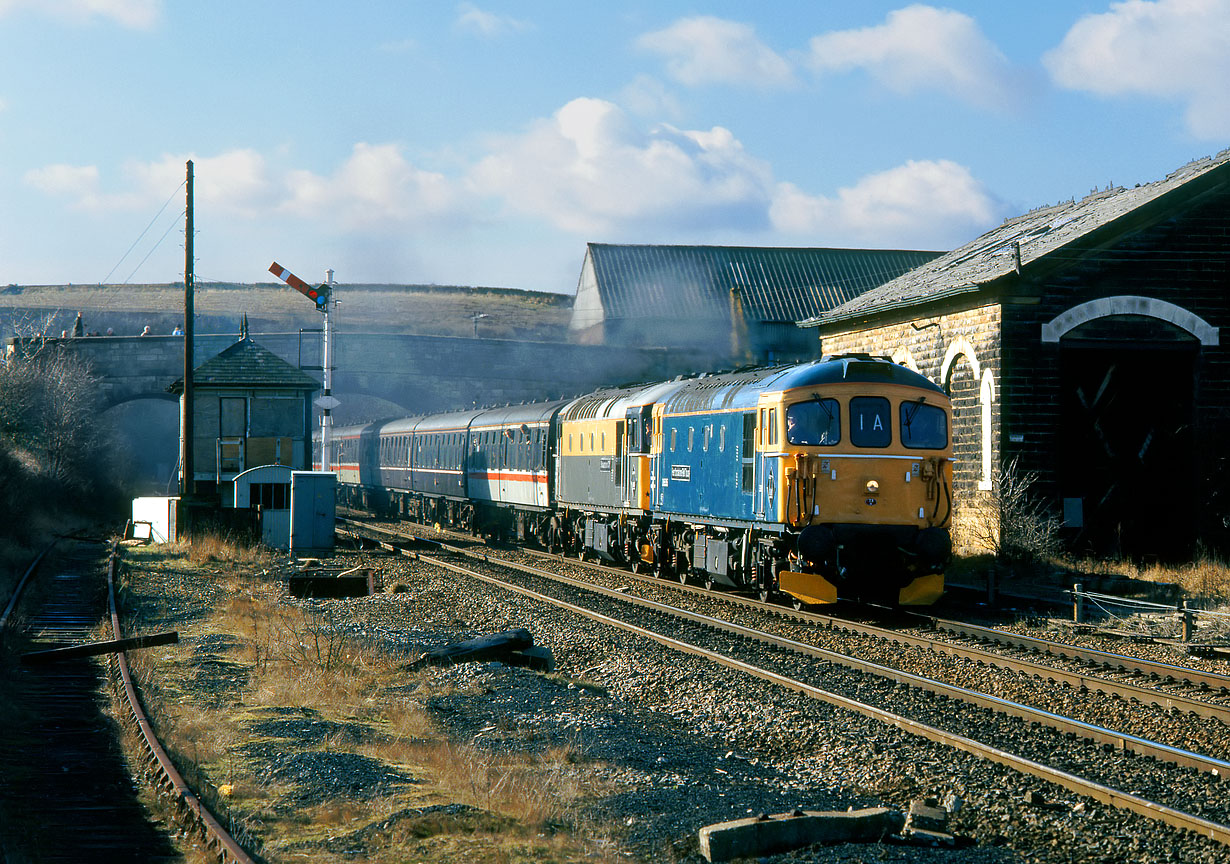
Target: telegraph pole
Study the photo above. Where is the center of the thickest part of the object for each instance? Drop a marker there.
(187, 483)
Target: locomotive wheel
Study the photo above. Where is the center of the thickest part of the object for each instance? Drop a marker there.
(796, 604)
(708, 582)
(763, 595)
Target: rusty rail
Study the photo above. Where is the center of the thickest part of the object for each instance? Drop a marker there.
(168, 778)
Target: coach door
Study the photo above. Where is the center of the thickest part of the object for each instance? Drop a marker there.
(503, 476)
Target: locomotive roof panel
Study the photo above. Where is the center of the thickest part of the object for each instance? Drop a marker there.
(853, 368)
(724, 391)
(742, 389)
(776, 283)
(615, 401)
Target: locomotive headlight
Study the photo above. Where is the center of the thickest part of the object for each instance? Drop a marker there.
(873, 487)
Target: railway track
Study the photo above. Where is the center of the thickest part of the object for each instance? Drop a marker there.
(1194, 698)
(67, 793)
(1157, 788)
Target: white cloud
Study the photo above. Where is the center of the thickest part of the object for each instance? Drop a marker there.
(74, 181)
(647, 97)
(921, 204)
(375, 187)
(707, 50)
(1171, 49)
(922, 48)
(488, 25)
(589, 170)
(134, 14)
(234, 181)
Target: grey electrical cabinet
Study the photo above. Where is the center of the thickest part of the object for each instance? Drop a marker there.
(313, 507)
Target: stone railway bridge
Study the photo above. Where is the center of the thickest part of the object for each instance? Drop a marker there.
(414, 373)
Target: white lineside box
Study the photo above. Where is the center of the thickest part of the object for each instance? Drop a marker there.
(158, 513)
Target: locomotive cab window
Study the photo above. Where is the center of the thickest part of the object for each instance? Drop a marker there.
(869, 422)
(816, 423)
(923, 426)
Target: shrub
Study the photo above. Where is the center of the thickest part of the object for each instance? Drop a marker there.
(1013, 523)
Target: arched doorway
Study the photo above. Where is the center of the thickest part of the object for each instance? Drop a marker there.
(1127, 461)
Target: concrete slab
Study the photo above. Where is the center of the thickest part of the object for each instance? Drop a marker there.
(782, 832)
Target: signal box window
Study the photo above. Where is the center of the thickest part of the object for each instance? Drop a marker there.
(923, 426)
(869, 422)
(816, 423)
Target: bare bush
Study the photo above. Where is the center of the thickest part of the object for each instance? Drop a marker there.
(1013, 523)
(49, 413)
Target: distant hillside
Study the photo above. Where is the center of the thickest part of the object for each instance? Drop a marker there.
(509, 313)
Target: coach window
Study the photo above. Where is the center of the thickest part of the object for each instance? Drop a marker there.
(764, 424)
(772, 426)
(673, 440)
(923, 426)
(869, 422)
(722, 438)
(691, 437)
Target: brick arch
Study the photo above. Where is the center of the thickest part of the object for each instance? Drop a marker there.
(1129, 304)
(960, 347)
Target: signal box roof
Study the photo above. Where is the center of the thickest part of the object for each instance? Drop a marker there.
(247, 364)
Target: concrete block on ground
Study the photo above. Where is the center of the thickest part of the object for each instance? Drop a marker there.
(782, 832)
(927, 824)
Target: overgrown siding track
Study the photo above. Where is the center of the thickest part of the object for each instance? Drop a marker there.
(65, 791)
(1106, 770)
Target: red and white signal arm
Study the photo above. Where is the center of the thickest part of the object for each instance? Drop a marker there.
(318, 294)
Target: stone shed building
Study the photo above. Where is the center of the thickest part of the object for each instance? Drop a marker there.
(1084, 342)
(251, 408)
(729, 305)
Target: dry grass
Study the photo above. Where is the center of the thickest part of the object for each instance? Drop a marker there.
(1207, 578)
(294, 656)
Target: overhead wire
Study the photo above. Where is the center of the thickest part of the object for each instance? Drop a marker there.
(170, 227)
(143, 233)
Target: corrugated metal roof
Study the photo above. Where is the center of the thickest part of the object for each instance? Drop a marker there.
(247, 364)
(1039, 233)
(777, 283)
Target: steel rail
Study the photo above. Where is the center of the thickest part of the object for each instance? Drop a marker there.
(1105, 794)
(1121, 662)
(217, 838)
(12, 604)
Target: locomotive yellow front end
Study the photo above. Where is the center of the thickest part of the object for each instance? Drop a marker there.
(865, 486)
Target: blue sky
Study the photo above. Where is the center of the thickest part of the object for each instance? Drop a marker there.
(485, 143)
